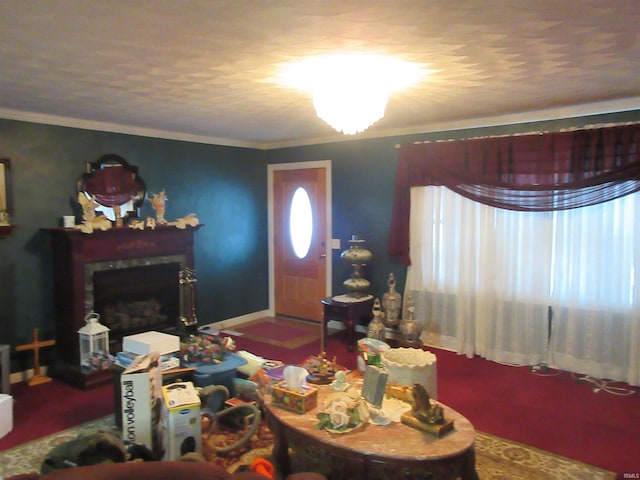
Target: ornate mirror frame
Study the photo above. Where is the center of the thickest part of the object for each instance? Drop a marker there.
(114, 185)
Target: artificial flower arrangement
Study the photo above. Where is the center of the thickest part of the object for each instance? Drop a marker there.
(343, 412)
(95, 361)
(207, 349)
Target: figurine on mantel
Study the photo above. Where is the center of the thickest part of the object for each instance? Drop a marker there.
(157, 201)
(90, 220)
(190, 220)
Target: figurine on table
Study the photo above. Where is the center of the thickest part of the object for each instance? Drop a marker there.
(340, 383)
(425, 415)
(422, 408)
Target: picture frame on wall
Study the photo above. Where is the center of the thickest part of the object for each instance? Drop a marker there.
(6, 204)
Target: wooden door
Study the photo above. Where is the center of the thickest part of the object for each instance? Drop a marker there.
(299, 276)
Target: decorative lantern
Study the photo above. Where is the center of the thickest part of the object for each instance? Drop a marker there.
(94, 344)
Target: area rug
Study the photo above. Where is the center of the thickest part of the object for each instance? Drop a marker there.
(496, 458)
(280, 331)
(28, 457)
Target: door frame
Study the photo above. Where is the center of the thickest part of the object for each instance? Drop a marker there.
(326, 164)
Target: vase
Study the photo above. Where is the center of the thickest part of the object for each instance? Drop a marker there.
(376, 328)
(410, 328)
(356, 256)
(391, 303)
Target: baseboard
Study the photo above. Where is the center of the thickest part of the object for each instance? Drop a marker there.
(235, 321)
(25, 375)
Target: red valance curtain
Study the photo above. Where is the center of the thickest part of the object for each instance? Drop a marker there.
(533, 172)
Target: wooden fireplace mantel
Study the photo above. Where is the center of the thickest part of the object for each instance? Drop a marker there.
(72, 250)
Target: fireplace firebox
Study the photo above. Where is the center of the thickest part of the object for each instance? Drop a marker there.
(129, 277)
(137, 298)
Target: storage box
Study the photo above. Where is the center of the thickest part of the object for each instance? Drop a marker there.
(147, 342)
(298, 402)
(221, 373)
(181, 420)
(6, 414)
(141, 392)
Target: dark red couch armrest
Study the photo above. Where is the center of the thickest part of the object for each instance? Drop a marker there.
(144, 470)
(155, 471)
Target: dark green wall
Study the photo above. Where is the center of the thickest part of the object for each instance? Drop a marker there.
(225, 186)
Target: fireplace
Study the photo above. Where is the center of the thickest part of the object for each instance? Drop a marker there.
(129, 277)
(136, 295)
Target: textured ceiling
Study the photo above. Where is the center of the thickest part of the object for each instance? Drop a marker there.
(205, 69)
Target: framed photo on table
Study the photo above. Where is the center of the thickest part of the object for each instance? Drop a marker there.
(374, 384)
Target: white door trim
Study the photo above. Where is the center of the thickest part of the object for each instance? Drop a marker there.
(326, 164)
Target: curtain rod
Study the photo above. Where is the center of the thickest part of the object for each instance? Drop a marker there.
(540, 132)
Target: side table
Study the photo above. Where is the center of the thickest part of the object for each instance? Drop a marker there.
(349, 313)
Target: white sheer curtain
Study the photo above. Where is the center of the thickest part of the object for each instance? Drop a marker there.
(484, 280)
(596, 290)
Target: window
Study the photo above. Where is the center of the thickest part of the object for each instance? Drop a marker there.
(500, 283)
(301, 222)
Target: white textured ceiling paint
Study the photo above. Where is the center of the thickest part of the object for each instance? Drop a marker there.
(206, 70)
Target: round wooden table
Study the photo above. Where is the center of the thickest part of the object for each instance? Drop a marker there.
(394, 451)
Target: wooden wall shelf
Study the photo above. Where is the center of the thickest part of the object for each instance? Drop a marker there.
(5, 230)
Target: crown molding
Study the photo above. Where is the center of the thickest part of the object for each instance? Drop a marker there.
(121, 128)
(583, 110)
(573, 111)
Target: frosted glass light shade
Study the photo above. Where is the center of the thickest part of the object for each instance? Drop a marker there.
(350, 91)
(351, 110)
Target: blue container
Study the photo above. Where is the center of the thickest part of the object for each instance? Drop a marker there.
(221, 373)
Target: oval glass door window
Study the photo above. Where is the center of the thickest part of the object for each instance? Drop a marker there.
(301, 222)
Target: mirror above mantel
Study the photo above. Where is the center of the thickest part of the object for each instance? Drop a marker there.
(115, 186)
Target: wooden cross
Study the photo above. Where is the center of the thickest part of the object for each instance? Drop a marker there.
(36, 345)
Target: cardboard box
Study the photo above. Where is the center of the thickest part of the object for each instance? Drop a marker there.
(147, 342)
(6, 414)
(181, 420)
(299, 402)
(141, 391)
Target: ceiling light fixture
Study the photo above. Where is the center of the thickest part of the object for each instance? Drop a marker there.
(350, 91)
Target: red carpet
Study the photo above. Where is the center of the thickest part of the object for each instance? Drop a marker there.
(51, 407)
(554, 413)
